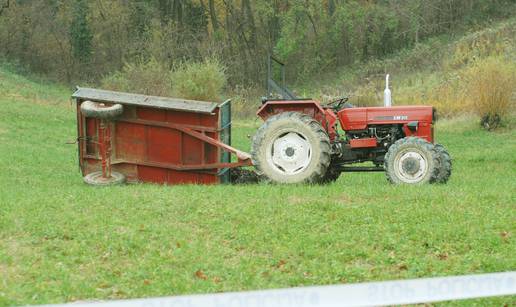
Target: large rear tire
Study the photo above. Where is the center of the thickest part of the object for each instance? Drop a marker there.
(291, 147)
(412, 160)
(445, 164)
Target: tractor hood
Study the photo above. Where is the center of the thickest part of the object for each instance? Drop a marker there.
(360, 118)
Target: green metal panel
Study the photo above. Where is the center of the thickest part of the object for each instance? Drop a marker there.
(225, 137)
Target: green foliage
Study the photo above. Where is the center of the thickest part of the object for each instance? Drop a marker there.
(199, 80)
(145, 77)
(81, 36)
(189, 80)
(493, 41)
(56, 38)
(490, 88)
(434, 72)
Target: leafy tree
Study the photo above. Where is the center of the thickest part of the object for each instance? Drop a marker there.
(55, 37)
(80, 33)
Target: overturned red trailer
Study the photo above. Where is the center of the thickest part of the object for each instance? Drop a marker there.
(139, 138)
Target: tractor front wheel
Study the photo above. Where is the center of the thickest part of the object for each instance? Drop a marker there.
(445, 164)
(291, 147)
(412, 160)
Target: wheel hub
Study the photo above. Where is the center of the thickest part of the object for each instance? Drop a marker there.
(291, 153)
(412, 166)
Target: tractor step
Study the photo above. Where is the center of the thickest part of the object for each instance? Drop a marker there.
(361, 169)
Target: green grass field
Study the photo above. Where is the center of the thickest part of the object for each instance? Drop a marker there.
(62, 241)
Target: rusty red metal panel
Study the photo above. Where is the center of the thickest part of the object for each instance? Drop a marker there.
(191, 150)
(91, 135)
(163, 145)
(361, 143)
(129, 170)
(130, 141)
(211, 152)
(152, 174)
(151, 114)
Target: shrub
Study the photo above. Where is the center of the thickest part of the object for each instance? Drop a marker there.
(244, 101)
(370, 94)
(144, 77)
(490, 86)
(199, 80)
(489, 42)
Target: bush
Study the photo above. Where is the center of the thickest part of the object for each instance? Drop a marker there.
(199, 80)
(144, 77)
(244, 101)
(490, 86)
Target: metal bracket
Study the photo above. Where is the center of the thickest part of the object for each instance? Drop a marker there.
(77, 140)
(273, 85)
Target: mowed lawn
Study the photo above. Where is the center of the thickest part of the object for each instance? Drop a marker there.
(62, 241)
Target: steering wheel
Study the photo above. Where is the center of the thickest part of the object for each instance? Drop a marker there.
(338, 103)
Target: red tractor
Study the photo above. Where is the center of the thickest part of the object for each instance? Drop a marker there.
(302, 140)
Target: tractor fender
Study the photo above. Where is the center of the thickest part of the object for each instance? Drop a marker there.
(326, 117)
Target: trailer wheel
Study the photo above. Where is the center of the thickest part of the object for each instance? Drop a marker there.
(100, 110)
(412, 160)
(291, 147)
(96, 179)
(445, 164)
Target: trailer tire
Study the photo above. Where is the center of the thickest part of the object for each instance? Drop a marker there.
(445, 164)
(291, 147)
(412, 160)
(96, 179)
(100, 110)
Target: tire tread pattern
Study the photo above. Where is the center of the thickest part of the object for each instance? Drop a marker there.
(324, 141)
(445, 164)
(420, 143)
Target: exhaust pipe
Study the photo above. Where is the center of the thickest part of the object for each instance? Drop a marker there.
(387, 99)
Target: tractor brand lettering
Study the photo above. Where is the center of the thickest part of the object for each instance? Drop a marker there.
(396, 117)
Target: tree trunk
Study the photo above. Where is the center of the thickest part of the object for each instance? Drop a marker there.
(165, 10)
(331, 7)
(250, 18)
(213, 15)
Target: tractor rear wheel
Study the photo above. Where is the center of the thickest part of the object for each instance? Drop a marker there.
(445, 164)
(412, 160)
(332, 174)
(291, 147)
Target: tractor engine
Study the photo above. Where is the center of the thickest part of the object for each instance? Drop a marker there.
(369, 132)
(367, 145)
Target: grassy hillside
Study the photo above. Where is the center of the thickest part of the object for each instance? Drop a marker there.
(433, 72)
(62, 241)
